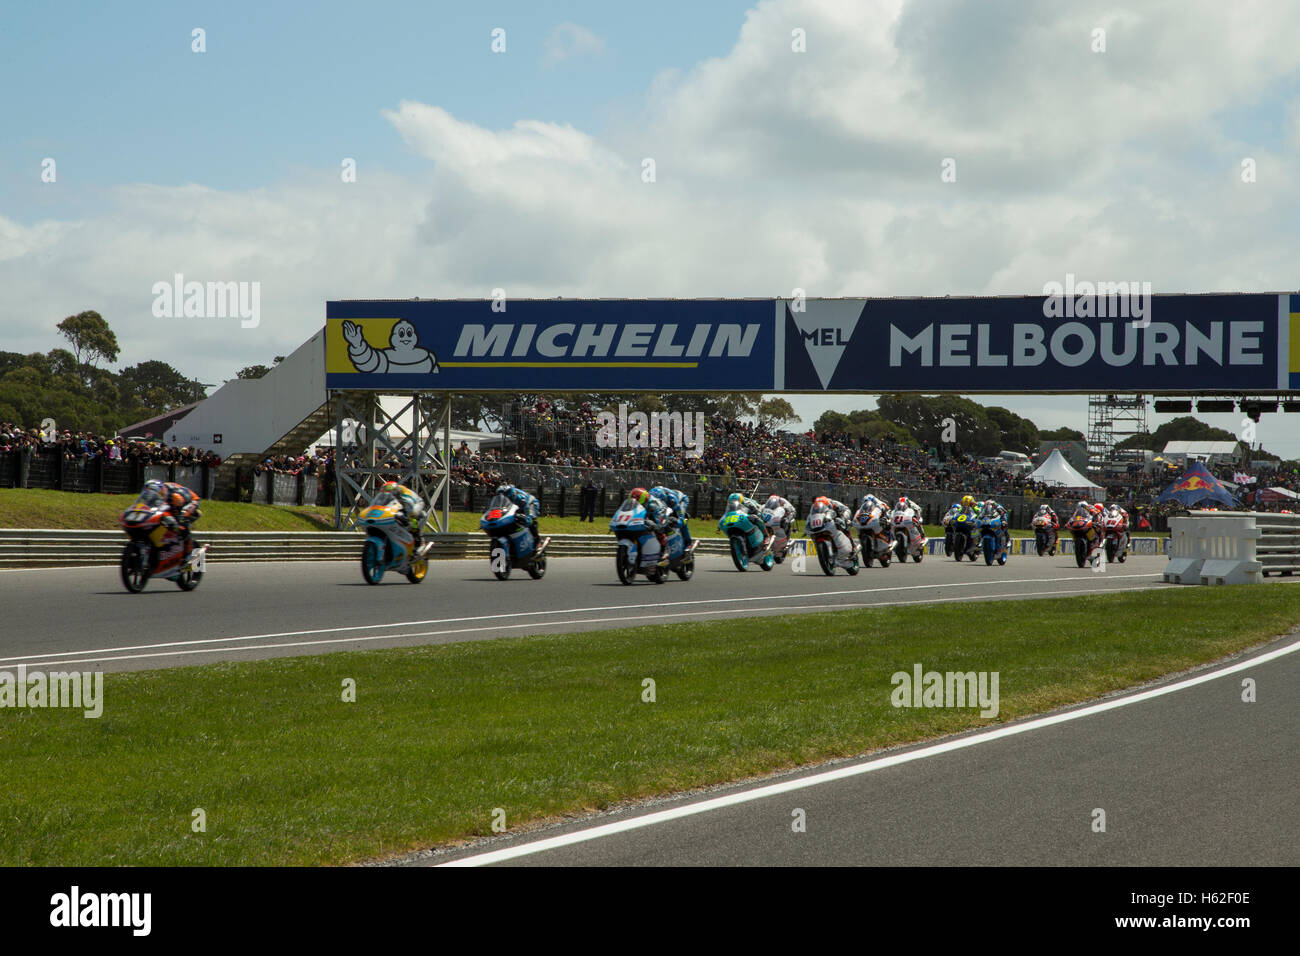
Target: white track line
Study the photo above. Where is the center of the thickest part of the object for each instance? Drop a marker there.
(842, 773)
(574, 610)
(591, 620)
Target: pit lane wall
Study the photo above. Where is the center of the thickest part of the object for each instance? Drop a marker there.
(1080, 343)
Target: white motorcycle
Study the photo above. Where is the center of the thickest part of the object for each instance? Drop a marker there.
(909, 536)
(780, 540)
(873, 535)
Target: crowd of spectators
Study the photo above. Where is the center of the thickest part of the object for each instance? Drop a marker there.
(87, 446)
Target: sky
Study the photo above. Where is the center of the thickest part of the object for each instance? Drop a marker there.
(521, 169)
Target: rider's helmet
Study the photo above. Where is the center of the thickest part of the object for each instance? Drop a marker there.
(773, 502)
(821, 501)
(639, 495)
(1083, 503)
(967, 500)
(392, 487)
(505, 489)
(902, 501)
(1097, 508)
(154, 485)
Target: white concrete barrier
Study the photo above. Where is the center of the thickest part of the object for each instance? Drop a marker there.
(1213, 548)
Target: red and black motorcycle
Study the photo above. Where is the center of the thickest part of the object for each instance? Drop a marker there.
(156, 550)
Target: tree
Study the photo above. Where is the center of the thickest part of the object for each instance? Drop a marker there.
(775, 412)
(156, 386)
(252, 371)
(90, 336)
(1062, 434)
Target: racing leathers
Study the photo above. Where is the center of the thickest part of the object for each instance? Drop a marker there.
(775, 503)
(529, 506)
(678, 503)
(182, 507)
(412, 506)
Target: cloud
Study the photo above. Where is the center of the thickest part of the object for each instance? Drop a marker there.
(774, 170)
(569, 40)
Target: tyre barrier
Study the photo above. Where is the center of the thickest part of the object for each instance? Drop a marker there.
(41, 548)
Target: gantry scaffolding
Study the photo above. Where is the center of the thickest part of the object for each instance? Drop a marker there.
(1111, 419)
(412, 446)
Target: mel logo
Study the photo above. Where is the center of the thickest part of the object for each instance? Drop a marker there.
(826, 326)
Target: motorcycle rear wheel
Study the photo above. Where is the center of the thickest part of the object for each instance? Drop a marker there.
(418, 569)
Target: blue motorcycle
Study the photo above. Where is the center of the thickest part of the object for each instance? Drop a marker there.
(639, 551)
(390, 546)
(991, 539)
(748, 539)
(513, 544)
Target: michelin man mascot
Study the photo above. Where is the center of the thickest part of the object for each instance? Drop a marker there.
(405, 354)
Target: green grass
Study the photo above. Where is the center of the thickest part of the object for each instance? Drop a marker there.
(439, 736)
(34, 508)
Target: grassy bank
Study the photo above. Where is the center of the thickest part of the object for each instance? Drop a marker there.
(286, 772)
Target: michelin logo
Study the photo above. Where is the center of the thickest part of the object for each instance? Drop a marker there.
(404, 355)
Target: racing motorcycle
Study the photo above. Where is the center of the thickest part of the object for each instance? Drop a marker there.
(873, 536)
(1044, 535)
(821, 527)
(780, 540)
(390, 546)
(1115, 528)
(513, 545)
(965, 536)
(909, 536)
(748, 540)
(157, 551)
(639, 551)
(991, 540)
(1087, 539)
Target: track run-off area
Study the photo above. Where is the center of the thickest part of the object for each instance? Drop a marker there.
(244, 611)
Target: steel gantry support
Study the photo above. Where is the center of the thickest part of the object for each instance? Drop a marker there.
(412, 445)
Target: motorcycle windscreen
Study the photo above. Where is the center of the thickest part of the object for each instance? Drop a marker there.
(500, 503)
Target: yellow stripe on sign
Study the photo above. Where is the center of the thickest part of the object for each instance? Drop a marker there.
(569, 364)
(1294, 364)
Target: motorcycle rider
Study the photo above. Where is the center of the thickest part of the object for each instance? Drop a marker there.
(1115, 511)
(181, 503)
(1051, 520)
(678, 504)
(787, 515)
(842, 516)
(412, 506)
(991, 509)
(657, 516)
(529, 506)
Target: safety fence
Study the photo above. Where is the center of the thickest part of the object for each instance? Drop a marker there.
(25, 468)
(1218, 548)
(37, 548)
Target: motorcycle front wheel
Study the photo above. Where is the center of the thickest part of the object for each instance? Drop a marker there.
(739, 557)
(372, 561)
(626, 570)
(1080, 550)
(135, 566)
(824, 558)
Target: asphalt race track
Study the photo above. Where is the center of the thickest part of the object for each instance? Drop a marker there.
(80, 616)
(1186, 773)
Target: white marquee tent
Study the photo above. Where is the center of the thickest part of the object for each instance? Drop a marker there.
(1059, 473)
